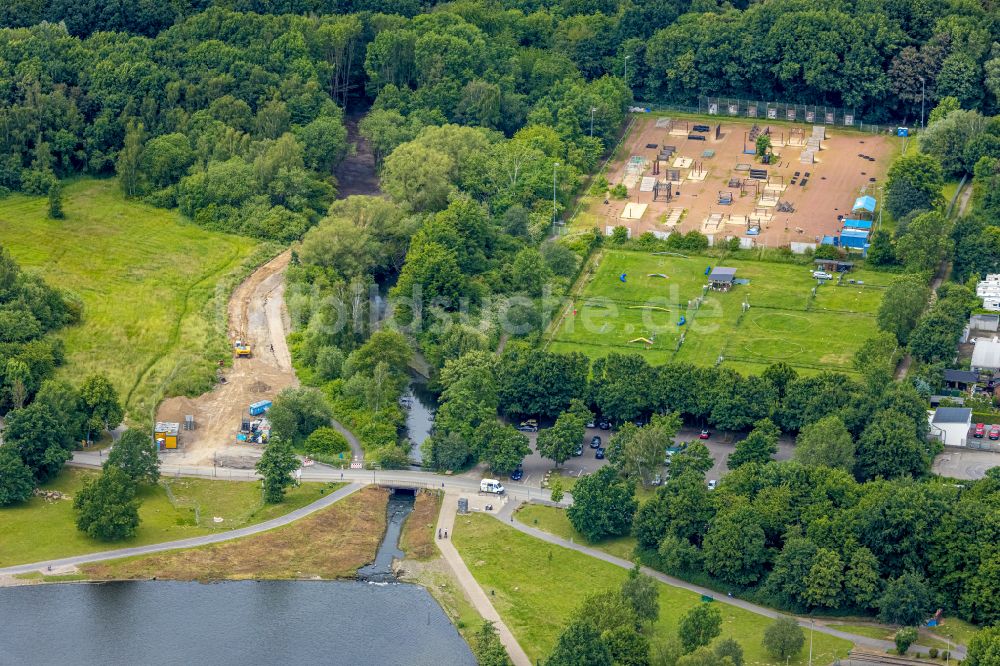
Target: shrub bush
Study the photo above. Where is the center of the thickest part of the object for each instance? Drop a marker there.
(933, 652)
(326, 441)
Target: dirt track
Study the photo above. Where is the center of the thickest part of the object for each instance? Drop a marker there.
(256, 309)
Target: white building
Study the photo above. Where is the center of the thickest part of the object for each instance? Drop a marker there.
(989, 291)
(986, 355)
(950, 424)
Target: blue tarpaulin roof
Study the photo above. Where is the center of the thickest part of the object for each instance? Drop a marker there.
(829, 240)
(865, 203)
(856, 238)
(857, 224)
(854, 233)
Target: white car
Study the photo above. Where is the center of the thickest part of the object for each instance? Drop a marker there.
(712, 483)
(822, 275)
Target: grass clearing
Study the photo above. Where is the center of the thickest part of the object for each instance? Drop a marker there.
(785, 321)
(332, 543)
(554, 521)
(536, 586)
(147, 279)
(41, 530)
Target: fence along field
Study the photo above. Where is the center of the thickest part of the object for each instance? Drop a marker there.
(774, 316)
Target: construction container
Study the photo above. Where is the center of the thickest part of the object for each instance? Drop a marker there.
(165, 434)
(259, 407)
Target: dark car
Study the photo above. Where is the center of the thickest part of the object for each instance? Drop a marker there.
(604, 424)
(599, 453)
(595, 442)
(517, 474)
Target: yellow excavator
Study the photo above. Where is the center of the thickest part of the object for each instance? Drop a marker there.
(241, 347)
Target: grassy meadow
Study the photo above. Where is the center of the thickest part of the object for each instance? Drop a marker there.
(785, 320)
(148, 282)
(536, 586)
(39, 529)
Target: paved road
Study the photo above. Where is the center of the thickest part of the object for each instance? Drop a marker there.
(188, 543)
(507, 511)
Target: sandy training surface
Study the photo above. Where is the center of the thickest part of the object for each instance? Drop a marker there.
(256, 308)
(835, 180)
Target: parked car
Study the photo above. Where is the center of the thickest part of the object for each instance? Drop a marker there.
(995, 432)
(517, 474)
(980, 430)
(491, 486)
(712, 483)
(599, 454)
(705, 434)
(657, 480)
(604, 424)
(591, 424)
(822, 275)
(579, 450)
(531, 425)
(595, 442)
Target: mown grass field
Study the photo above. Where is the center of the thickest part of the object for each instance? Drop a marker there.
(536, 586)
(554, 520)
(41, 530)
(785, 320)
(146, 279)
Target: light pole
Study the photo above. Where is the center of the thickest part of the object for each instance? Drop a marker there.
(592, 110)
(626, 71)
(555, 166)
(923, 88)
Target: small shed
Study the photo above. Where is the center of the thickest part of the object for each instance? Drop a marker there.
(721, 278)
(833, 265)
(865, 204)
(850, 223)
(986, 355)
(166, 434)
(960, 379)
(951, 424)
(854, 238)
(984, 322)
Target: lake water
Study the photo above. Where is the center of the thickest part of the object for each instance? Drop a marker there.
(238, 623)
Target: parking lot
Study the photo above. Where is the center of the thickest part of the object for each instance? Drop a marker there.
(962, 463)
(720, 445)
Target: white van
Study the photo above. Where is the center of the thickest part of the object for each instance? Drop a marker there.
(491, 486)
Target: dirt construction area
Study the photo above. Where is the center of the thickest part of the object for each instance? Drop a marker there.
(256, 314)
(702, 175)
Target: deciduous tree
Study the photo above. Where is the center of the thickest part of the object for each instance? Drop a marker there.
(603, 505)
(699, 626)
(106, 506)
(276, 465)
(783, 638)
(135, 454)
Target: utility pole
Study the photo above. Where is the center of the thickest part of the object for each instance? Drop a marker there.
(555, 166)
(626, 71)
(592, 110)
(923, 88)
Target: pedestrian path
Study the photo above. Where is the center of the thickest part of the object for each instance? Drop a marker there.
(475, 593)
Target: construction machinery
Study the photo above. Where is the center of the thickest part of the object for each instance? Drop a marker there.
(241, 347)
(254, 431)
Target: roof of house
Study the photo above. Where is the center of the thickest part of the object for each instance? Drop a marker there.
(865, 203)
(722, 274)
(986, 354)
(952, 415)
(966, 376)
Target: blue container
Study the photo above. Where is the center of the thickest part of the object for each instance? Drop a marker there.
(259, 407)
(902, 131)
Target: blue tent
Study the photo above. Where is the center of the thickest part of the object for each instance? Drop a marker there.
(830, 240)
(865, 203)
(854, 238)
(857, 224)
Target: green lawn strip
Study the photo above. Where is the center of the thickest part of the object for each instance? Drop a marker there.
(536, 586)
(849, 298)
(144, 276)
(958, 631)
(554, 521)
(41, 530)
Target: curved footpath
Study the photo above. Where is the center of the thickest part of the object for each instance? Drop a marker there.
(357, 479)
(507, 511)
(188, 543)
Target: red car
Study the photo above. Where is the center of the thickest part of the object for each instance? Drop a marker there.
(980, 430)
(704, 434)
(995, 432)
